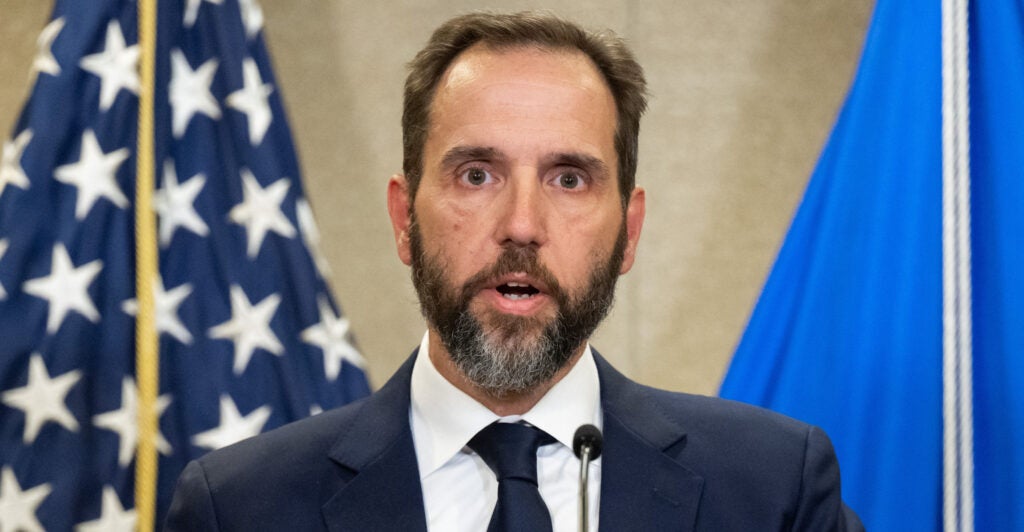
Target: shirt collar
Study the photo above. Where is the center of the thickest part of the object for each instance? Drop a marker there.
(443, 418)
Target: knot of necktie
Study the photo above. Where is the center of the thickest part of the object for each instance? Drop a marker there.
(510, 450)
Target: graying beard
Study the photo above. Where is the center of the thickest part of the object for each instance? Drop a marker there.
(504, 363)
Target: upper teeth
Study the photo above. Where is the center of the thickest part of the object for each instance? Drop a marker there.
(513, 283)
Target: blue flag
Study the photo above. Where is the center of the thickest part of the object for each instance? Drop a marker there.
(848, 332)
(249, 335)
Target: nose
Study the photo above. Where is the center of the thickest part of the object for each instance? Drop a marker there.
(523, 218)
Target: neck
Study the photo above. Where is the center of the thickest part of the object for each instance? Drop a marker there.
(502, 405)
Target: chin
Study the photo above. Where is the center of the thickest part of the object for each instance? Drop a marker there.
(513, 331)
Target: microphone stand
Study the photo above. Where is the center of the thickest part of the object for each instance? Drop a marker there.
(584, 477)
(586, 444)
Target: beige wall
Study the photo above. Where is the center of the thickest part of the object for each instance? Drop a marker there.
(744, 95)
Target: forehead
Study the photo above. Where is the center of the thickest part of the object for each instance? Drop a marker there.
(518, 85)
(566, 65)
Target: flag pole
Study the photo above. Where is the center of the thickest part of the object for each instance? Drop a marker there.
(958, 422)
(146, 271)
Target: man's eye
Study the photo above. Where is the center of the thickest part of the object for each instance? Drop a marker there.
(475, 176)
(569, 180)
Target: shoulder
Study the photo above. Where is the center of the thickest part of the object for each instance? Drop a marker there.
(298, 449)
(706, 421)
(284, 448)
(280, 479)
(757, 466)
(716, 438)
(724, 431)
(304, 446)
(718, 418)
(242, 486)
(747, 453)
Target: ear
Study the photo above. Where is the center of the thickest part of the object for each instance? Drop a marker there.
(401, 218)
(635, 211)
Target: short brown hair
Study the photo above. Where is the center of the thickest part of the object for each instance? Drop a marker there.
(611, 56)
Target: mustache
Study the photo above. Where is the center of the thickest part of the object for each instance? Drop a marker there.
(514, 259)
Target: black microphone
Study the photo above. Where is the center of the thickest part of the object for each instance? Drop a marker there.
(587, 436)
(587, 444)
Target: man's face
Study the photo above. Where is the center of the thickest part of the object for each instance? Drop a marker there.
(517, 232)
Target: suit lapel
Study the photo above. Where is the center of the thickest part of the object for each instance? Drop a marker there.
(642, 485)
(381, 484)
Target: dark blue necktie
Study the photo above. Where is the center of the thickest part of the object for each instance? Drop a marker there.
(510, 450)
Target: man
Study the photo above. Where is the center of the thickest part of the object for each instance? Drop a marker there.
(517, 211)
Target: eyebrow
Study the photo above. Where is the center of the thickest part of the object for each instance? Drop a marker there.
(460, 154)
(591, 164)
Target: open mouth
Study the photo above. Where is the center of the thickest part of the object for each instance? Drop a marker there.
(516, 291)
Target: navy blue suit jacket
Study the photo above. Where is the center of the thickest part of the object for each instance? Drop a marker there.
(671, 461)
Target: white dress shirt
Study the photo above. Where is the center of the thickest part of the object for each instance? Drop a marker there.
(459, 490)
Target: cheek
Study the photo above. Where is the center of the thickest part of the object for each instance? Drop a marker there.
(453, 215)
(440, 220)
(454, 236)
(465, 229)
(574, 253)
(590, 244)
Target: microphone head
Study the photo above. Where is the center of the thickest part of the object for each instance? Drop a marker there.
(589, 436)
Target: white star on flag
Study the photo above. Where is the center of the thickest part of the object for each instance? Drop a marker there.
(95, 175)
(252, 17)
(249, 327)
(124, 421)
(330, 335)
(190, 91)
(113, 516)
(234, 427)
(251, 99)
(192, 11)
(175, 204)
(66, 288)
(166, 303)
(311, 236)
(117, 66)
(44, 61)
(17, 507)
(11, 171)
(42, 398)
(3, 249)
(260, 211)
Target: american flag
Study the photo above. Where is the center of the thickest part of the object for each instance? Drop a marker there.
(249, 335)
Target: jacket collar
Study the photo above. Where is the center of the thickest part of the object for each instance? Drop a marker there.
(642, 485)
(376, 453)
